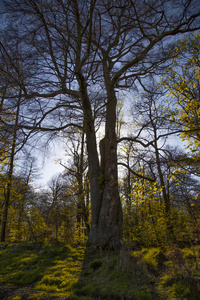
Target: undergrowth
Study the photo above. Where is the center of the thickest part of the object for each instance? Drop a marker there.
(59, 271)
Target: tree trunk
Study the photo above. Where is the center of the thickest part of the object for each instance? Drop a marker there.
(106, 223)
(93, 161)
(82, 215)
(10, 175)
(166, 198)
(109, 233)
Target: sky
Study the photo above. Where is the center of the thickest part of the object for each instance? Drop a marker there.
(48, 164)
(47, 171)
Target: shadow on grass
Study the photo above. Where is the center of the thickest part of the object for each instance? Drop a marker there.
(59, 271)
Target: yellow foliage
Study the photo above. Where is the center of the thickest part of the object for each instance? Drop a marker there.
(80, 236)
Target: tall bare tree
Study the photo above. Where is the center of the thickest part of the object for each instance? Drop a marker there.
(85, 51)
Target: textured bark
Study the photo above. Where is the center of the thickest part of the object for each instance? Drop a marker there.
(106, 223)
(108, 232)
(110, 218)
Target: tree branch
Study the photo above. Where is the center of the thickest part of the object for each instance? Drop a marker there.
(136, 174)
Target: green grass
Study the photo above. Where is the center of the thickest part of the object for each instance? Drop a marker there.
(50, 269)
(60, 271)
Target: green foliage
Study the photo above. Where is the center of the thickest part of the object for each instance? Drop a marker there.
(180, 268)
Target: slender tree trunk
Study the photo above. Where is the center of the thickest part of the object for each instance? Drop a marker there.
(32, 234)
(3, 98)
(93, 162)
(89, 129)
(166, 198)
(87, 204)
(81, 206)
(22, 204)
(10, 175)
(128, 197)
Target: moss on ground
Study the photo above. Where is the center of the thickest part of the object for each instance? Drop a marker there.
(59, 271)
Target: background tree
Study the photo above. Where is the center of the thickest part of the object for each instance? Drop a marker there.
(77, 168)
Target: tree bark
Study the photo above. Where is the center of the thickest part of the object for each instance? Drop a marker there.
(10, 174)
(93, 160)
(109, 234)
(106, 223)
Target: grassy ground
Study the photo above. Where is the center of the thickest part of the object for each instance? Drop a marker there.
(60, 271)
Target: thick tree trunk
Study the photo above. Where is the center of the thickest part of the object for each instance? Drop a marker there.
(109, 229)
(106, 223)
(107, 232)
(110, 218)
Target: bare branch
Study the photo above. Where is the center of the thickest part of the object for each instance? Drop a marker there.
(136, 174)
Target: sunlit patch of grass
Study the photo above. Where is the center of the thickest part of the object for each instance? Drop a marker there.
(181, 289)
(62, 271)
(62, 276)
(19, 267)
(48, 268)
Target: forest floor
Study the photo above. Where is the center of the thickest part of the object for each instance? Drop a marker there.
(45, 271)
